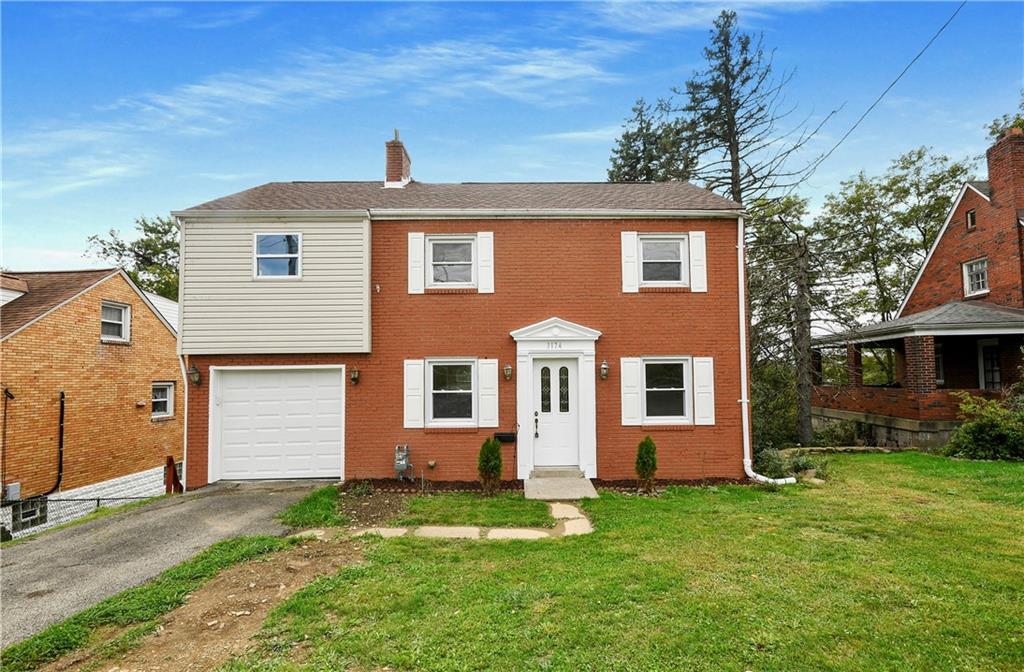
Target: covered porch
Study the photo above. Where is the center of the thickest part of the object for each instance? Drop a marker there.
(897, 380)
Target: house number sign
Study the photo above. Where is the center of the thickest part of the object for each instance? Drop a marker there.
(554, 345)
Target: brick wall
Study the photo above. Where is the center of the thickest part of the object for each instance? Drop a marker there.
(105, 434)
(568, 269)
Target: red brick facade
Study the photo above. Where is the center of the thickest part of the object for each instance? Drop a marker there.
(106, 432)
(543, 268)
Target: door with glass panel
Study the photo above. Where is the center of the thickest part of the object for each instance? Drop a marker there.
(555, 413)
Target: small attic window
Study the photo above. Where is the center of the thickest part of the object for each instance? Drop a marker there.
(971, 220)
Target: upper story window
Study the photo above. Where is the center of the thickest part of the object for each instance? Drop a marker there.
(666, 383)
(277, 255)
(163, 400)
(115, 322)
(976, 277)
(663, 260)
(452, 261)
(451, 396)
(971, 220)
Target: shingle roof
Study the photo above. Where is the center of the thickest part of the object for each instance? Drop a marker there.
(46, 290)
(167, 308)
(472, 195)
(983, 186)
(949, 316)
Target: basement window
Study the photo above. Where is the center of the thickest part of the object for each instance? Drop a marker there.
(163, 400)
(28, 513)
(115, 322)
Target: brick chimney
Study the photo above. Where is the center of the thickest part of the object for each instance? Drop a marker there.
(1006, 170)
(399, 165)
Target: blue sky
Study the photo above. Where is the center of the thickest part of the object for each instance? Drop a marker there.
(111, 111)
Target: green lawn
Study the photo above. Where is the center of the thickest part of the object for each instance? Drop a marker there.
(317, 509)
(901, 562)
(504, 509)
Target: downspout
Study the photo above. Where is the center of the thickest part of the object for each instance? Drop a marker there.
(8, 395)
(748, 462)
(60, 450)
(184, 419)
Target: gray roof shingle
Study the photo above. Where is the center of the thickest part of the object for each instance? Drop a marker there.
(46, 290)
(983, 186)
(951, 316)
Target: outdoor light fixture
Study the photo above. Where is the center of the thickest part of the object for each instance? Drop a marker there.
(508, 371)
(604, 370)
(194, 376)
(354, 376)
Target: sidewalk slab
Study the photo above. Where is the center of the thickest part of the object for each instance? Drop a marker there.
(516, 533)
(445, 532)
(559, 489)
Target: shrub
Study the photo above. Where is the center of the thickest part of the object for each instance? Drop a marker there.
(646, 463)
(992, 430)
(488, 465)
(769, 462)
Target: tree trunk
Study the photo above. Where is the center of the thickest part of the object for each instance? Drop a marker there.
(802, 343)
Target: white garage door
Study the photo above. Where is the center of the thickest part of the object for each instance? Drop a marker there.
(281, 423)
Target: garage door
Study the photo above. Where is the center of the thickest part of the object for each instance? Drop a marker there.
(281, 423)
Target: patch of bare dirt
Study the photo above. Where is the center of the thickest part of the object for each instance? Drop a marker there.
(219, 619)
(372, 510)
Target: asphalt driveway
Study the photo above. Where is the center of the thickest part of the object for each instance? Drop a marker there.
(49, 578)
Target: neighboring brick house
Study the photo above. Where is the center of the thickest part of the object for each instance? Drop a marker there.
(961, 325)
(90, 347)
(329, 322)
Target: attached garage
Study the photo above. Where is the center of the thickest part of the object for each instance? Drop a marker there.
(277, 423)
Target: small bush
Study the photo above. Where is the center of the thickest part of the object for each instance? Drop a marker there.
(992, 430)
(802, 461)
(768, 462)
(646, 463)
(489, 465)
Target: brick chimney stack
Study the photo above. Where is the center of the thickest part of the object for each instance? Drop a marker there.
(399, 165)
(1006, 170)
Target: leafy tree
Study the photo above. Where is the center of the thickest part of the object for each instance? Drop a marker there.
(652, 147)
(151, 259)
(1007, 121)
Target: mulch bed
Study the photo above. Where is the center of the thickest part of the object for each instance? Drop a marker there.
(633, 486)
(426, 487)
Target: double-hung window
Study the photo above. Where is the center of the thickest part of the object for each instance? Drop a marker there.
(663, 260)
(277, 255)
(976, 277)
(163, 400)
(451, 397)
(115, 322)
(451, 261)
(666, 387)
(972, 220)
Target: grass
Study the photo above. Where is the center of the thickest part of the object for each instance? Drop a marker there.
(318, 509)
(901, 562)
(136, 608)
(506, 509)
(101, 512)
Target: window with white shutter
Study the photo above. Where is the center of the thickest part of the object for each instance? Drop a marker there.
(698, 262)
(416, 243)
(487, 373)
(451, 261)
(413, 415)
(630, 269)
(631, 376)
(703, 391)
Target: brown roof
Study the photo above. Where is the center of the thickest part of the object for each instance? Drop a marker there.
(472, 196)
(13, 283)
(46, 290)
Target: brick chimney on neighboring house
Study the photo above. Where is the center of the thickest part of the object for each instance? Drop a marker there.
(399, 165)
(1006, 183)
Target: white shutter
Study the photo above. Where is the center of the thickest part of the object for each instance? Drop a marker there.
(414, 380)
(487, 404)
(485, 262)
(703, 391)
(416, 273)
(630, 268)
(630, 370)
(698, 262)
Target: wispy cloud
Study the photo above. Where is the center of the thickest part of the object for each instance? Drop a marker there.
(601, 134)
(660, 17)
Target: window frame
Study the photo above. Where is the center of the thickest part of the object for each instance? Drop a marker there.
(966, 272)
(169, 413)
(256, 256)
(682, 240)
(983, 344)
(428, 369)
(940, 365)
(685, 419)
(428, 260)
(126, 322)
(971, 219)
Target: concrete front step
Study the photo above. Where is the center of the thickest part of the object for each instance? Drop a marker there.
(559, 489)
(556, 472)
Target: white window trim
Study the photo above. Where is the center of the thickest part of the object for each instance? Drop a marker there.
(940, 365)
(256, 256)
(967, 277)
(428, 259)
(683, 240)
(170, 401)
(428, 390)
(126, 322)
(971, 219)
(687, 419)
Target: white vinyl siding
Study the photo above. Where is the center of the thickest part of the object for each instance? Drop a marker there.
(225, 310)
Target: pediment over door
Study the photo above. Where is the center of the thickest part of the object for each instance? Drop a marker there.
(555, 329)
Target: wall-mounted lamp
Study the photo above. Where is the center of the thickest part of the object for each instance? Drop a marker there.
(604, 370)
(194, 376)
(507, 370)
(354, 376)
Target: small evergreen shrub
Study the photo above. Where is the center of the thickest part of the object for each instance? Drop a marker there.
(992, 429)
(646, 463)
(768, 462)
(489, 465)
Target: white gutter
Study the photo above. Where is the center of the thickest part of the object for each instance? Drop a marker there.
(184, 433)
(748, 462)
(453, 213)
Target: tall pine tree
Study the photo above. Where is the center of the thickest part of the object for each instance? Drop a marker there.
(652, 147)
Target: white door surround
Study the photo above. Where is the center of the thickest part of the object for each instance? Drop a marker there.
(557, 340)
(556, 425)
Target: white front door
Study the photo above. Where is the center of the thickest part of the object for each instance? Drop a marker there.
(555, 413)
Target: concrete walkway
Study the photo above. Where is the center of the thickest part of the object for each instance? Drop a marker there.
(557, 488)
(59, 573)
(571, 522)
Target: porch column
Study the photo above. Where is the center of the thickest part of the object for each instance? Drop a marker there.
(854, 365)
(920, 362)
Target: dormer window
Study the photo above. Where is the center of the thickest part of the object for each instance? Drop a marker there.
(971, 220)
(976, 277)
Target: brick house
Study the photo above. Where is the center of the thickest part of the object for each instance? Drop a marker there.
(960, 327)
(92, 393)
(329, 322)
